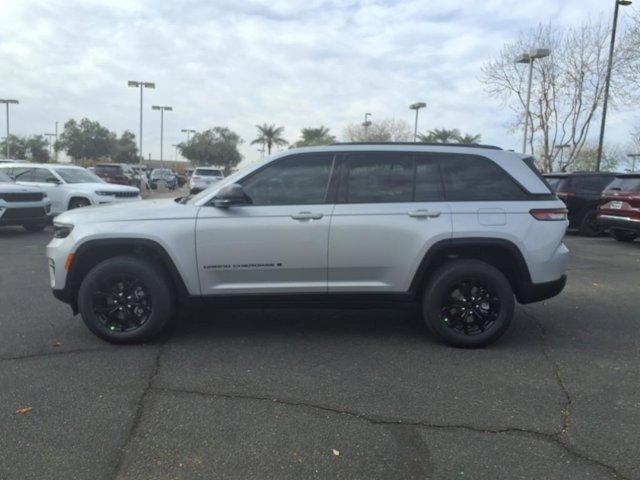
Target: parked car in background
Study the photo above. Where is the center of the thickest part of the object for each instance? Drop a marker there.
(203, 177)
(163, 176)
(182, 179)
(581, 192)
(619, 208)
(69, 186)
(116, 173)
(23, 205)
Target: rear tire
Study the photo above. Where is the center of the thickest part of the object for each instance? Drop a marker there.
(126, 300)
(623, 235)
(589, 226)
(468, 303)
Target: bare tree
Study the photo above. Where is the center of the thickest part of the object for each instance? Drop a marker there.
(388, 130)
(567, 88)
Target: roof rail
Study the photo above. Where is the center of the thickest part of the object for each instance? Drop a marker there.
(419, 144)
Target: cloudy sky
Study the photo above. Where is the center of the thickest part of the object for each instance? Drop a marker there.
(239, 63)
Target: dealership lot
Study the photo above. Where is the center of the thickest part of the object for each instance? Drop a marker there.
(324, 393)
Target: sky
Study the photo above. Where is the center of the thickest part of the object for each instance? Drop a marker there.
(240, 63)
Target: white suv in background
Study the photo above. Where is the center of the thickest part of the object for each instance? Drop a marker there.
(463, 231)
(203, 177)
(21, 205)
(69, 186)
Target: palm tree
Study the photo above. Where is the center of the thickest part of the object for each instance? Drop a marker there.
(440, 135)
(269, 135)
(315, 136)
(469, 138)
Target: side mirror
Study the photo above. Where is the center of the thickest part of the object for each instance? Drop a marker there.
(53, 180)
(231, 196)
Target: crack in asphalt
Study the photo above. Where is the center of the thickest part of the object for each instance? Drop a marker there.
(386, 421)
(28, 356)
(139, 410)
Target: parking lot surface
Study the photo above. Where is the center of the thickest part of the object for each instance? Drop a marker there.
(324, 393)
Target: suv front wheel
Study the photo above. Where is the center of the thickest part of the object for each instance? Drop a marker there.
(126, 300)
(468, 303)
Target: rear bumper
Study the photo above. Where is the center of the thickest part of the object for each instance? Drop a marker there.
(620, 222)
(535, 292)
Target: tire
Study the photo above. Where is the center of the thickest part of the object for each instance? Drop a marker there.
(623, 235)
(156, 300)
(446, 285)
(589, 226)
(78, 203)
(34, 227)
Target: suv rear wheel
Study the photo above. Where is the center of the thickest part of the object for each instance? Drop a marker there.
(589, 226)
(125, 300)
(623, 235)
(468, 303)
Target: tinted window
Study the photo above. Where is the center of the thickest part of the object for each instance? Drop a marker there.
(108, 169)
(299, 180)
(428, 183)
(592, 183)
(208, 172)
(379, 178)
(473, 178)
(78, 175)
(625, 184)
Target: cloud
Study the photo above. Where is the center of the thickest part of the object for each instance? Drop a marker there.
(240, 63)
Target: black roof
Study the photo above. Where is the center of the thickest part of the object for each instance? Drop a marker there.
(419, 144)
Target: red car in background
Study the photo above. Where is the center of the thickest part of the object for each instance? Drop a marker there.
(116, 173)
(619, 208)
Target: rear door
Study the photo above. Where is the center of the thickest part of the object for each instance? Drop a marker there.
(390, 210)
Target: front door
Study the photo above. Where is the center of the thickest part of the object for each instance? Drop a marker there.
(276, 244)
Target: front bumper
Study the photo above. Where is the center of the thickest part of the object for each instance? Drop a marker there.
(620, 222)
(25, 215)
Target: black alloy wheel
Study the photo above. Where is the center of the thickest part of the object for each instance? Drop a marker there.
(470, 307)
(122, 304)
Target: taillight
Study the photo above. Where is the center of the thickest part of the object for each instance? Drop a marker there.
(549, 214)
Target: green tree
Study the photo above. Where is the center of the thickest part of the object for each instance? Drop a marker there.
(386, 130)
(126, 150)
(315, 136)
(17, 147)
(585, 161)
(217, 146)
(86, 140)
(440, 135)
(34, 148)
(470, 138)
(268, 136)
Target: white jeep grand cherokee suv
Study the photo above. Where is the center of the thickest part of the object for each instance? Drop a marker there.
(461, 230)
(69, 186)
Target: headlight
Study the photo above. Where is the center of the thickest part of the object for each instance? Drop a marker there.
(104, 194)
(61, 230)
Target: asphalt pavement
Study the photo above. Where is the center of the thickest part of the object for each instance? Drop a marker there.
(356, 394)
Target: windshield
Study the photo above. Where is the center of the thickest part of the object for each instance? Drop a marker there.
(625, 184)
(78, 175)
(5, 178)
(108, 169)
(158, 173)
(208, 172)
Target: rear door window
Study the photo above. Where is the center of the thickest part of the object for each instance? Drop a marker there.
(625, 184)
(379, 177)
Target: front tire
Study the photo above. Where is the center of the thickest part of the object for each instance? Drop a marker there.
(468, 303)
(78, 203)
(623, 235)
(126, 300)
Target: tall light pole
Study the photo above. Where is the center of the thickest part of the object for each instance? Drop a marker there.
(141, 86)
(7, 101)
(633, 157)
(366, 124)
(607, 79)
(189, 132)
(54, 149)
(50, 136)
(416, 106)
(162, 110)
(529, 58)
(175, 157)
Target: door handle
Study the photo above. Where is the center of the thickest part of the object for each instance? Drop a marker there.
(307, 216)
(423, 213)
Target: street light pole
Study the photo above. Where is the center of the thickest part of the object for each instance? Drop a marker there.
(141, 85)
(54, 149)
(162, 110)
(633, 157)
(416, 106)
(7, 101)
(188, 131)
(608, 79)
(50, 136)
(366, 124)
(529, 58)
